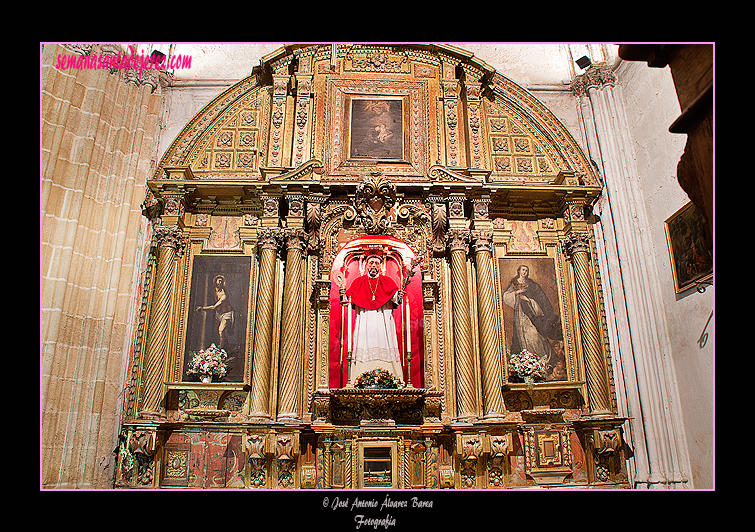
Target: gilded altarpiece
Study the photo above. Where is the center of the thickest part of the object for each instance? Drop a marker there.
(265, 209)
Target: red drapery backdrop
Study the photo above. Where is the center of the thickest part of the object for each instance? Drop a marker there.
(347, 263)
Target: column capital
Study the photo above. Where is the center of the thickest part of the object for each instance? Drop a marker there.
(595, 77)
(576, 242)
(293, 239)
(268, 238)
(458, 240)
(170, 236)
(482, 240)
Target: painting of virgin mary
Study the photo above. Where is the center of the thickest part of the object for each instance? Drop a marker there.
(533, 322)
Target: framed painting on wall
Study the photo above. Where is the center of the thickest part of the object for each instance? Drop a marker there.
(218, 310)
(373, 124)
(531, 315)
(377, 130)
(691, 261)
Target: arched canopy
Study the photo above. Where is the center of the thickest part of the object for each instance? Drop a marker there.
(457, 121)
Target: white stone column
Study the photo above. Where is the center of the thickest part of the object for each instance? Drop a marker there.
(640, 346)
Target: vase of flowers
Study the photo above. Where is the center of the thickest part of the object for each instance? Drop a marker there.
(526, 366)
(376, 378)
(209, 363)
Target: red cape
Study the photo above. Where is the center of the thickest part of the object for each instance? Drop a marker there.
(361, 292)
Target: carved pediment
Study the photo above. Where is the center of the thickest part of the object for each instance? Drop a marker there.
(303, 175)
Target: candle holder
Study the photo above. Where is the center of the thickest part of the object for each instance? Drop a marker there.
(348, 342)
(409, 370)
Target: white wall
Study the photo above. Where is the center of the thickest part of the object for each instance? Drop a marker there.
(651, 106)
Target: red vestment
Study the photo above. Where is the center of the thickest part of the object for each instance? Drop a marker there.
(363, 288)
(375, 338)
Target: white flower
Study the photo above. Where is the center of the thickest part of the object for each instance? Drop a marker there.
(210, 361)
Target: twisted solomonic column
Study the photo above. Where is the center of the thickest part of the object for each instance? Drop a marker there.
(170, 245)
(290, 362)
(577, 249)
(490, 369)
(263, 330)
(466, 393)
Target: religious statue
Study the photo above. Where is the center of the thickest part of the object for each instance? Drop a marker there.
(375, 342)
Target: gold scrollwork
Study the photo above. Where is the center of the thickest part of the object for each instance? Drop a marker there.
(375, 197)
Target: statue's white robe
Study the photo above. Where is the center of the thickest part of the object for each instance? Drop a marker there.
(375, 342)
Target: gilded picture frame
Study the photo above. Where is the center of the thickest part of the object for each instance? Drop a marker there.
(691, 260)
(532, 313)
(205, 324)
(359, 113)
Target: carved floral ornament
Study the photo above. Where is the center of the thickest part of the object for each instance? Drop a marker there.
(576, 242)
(284, 447)
(607, 441)
(255, 447)
(375, 197)
(255, 456)
(377, 61)
(137, 457)
(170, 236)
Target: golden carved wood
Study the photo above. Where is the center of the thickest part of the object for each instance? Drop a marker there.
(484, 164)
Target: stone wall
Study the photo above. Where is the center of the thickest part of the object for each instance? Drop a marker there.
(98, 134)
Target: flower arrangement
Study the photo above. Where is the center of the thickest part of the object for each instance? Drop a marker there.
(210, 362)
(376, 378)
(527, 366)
